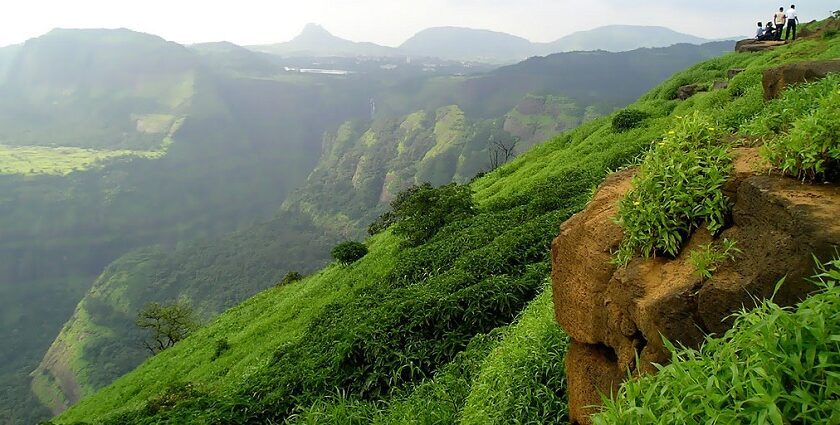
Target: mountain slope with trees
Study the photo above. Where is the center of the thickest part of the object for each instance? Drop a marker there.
(363, 165)
(448, 328)
(189, 153)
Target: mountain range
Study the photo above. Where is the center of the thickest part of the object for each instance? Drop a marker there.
(478, 45)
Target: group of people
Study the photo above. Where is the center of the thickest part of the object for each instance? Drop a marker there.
(781, 20)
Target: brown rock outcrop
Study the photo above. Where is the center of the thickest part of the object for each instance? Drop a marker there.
(753, 45)
(686, 91)
(731, 73)
(616, 315)
(776, 79)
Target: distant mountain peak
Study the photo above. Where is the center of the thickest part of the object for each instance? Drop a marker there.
(314, 33)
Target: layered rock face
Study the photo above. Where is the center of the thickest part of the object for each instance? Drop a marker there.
(618, 315)
(776, 79)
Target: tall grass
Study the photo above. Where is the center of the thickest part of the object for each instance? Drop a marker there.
(775, 366)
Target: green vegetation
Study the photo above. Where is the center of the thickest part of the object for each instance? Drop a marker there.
(707, 258)
(678, 188)
(776, 366)
(421, 211)
(290, 277)
(364, 356)
(452, 329)
(628, 119)
(30, 160)
(348, 252)
(806, 143)
(430, 332)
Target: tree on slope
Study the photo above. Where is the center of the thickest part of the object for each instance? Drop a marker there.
(166, 324)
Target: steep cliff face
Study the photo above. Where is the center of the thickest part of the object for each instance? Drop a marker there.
(617, 317)
(364, 165)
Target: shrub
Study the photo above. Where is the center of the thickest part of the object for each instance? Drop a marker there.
(811, 149)
(678, 187)
(421, 211)
(289, 278)
(222, 345)
(775, 366)
(707, 258)
(349, 252)
(628, 119)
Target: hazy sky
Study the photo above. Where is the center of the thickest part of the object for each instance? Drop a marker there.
(388, 22)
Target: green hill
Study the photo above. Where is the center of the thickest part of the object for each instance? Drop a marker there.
(113, 140)
(456, 329)
(363, 165)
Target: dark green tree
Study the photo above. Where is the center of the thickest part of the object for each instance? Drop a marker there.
(290, 277)
(349, 252)
(628, 119)
(421, 211)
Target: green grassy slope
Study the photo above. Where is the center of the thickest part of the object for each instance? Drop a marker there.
(430, 331)
(240, 96)
(69, 211)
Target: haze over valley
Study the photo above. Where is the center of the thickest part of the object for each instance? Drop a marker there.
(138, 172)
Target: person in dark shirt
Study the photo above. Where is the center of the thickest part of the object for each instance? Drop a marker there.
(769, 33)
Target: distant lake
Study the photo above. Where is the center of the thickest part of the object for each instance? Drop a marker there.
(319, 71)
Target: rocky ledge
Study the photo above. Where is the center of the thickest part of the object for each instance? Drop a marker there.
(616, 315)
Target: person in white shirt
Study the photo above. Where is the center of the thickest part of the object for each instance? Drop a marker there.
(792, 20)
(759, 32)
(779, 19)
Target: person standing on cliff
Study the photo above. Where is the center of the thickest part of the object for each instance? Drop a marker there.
(792, 20)
(779, 19)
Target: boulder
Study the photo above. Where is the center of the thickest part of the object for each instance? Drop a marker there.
(776, 79)
(687, 91)
(592, 371)
(720, 85)
(616, 315)
(733, 72)
(753, 45)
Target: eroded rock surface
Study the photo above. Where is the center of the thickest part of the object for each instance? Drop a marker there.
(753, 45)
(616, 315)
(776, 79)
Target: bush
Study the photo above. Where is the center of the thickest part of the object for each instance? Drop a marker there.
(222, 345)
(775, 366)
(419, 212)
(349, 252)
(289, 278)
(678, 187)
(811, 149)
(628, 119)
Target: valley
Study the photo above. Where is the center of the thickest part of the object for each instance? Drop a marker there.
(136, 170)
